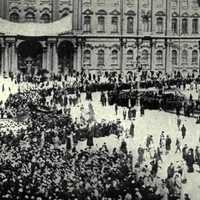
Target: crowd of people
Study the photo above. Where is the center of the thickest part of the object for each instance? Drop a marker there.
(41, 161)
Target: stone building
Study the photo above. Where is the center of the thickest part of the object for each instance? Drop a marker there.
(106, 35)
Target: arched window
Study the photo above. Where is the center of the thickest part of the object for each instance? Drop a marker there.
(87, 24)
(114, 24)
(45, 18)
(174, 25)
(115, 57)
(145, 56)
(159, 57)
(174, 57)
(184, 26)
(101, 57)
(160, 25)
(30, 17)
(195, 57)
(184, 57)
(130, 25)
(130, 57)
(87, 57)
(101, 24)
(14, 17)
(195, 27)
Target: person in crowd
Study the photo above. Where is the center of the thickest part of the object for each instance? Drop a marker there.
(178, 146)
(42, 161)
(116, 109)
(185, 151)
(170, 171)
(168, 144)
(124, 113)
(190, 160)
(183, 131)
(132, 130)
(178, 122)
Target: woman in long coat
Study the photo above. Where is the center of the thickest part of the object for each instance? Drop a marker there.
(91, 133)
(190, 161)
(132, 130)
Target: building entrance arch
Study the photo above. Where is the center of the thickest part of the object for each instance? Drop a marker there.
(30, 56)
(66, 57)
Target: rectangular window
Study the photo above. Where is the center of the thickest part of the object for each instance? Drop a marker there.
(114, 24)
(101, 24)
(87, 24)
(130, 25)
(174, 26)
(160, 25)
(184, 26)
(195, 26)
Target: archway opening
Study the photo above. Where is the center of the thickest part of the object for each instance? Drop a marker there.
(66, 57)
(30, 57)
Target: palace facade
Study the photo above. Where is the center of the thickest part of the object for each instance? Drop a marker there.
(106, 35)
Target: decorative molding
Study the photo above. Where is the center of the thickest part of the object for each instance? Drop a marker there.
(160, 13)
(45, 10)
(130, 13)
(196, 15)
(185, 14)
(15, 9)
(175, 14)
(30, 9)
(101, 12)
(88, 12)
(115, 12)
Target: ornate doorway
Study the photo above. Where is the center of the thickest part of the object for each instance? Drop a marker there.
(30, 57)
(65, 57)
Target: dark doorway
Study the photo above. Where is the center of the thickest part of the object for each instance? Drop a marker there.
(30, 57)
(66, 57)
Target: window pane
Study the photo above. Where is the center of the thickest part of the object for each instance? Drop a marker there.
(174, 25)
(115, 24)
(130, 25)
(101, 24)
(184, 26)
(195, 26)
(101, 57)
(174, 57)
(195, 57)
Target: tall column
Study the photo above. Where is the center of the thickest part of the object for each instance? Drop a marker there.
(55, 58)
(78, 57)
(79, 46)
(122, 50)
(151, 56)
(12, 57)
(6, 58)
(15, 62)
(44, 58)
(2, 59)
(168, 66)
(48, 57)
